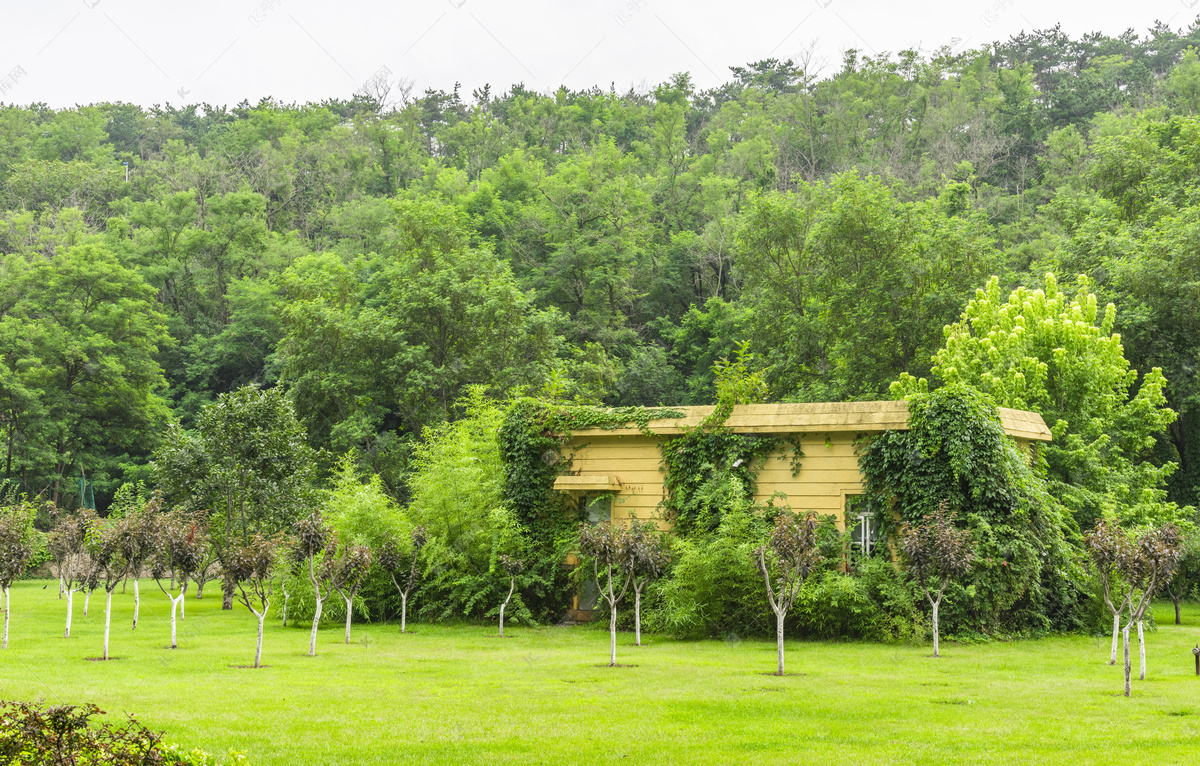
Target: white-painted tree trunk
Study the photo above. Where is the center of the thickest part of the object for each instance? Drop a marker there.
(403, 610)
(637, 615)
(1125, 635)
(936, 604)
(182, 603)
(1112, 657)
(176, 601)
(1142, 650)
(779, 615)
(349, 614)
(312, 641)
(70, 604)
(107, 621)
(258, 649)
(137, 602)
(7, 611)
(612, 636)
(87, 599)
(62, 588)
(511, 587)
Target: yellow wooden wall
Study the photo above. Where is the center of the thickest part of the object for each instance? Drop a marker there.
(829, 471)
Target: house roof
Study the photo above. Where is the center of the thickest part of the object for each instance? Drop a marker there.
(821, 417)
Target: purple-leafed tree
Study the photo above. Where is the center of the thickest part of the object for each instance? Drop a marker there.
(936, 553)
(68, 546)
(137, 544)
(108, 564)
(316, 544)
(785, 562)
(251, 566)
(179, 548)
(646, 556)
(16, 551)
(351, 567)
(605, 545)
(395, 558)
(1155, 556)
(512, 567)
(1110, 550)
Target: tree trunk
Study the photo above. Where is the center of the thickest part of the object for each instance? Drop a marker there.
(403, 610)
(637, 616)
(612, 636)
(1175, 600)
(137, 602)
(1125, 635)
(174, 605)
(1142, 650)
(70, 604)
(779, 615)
(226, 599)
(87, 599)
(936, 604)
(107, 622)
(312, 641)
(349, 613)
(258, 648)
(502, 618)
(200, 589)
(61, 587)
(182, 603)
(7, 612)
(1112, 657)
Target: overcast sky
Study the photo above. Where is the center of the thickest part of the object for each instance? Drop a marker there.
(147, 52)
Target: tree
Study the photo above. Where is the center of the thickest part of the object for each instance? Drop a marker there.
(352, 567)
(68, 545)
(251, 566)
(512, 567)
(137, 543)
(1155, 556)
(936, 552)
(793, 557)
(394, 557)
(1187, 572)
(178, 552)
(316, 543)
(1110, 548)
(646, 558)
(16, 552)
(108, 564)
(605, 545)
(247, 460)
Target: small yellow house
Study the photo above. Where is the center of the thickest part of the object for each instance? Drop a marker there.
(620, 467)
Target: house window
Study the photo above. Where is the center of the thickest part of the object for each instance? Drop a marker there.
(863, 524)
(597, 509)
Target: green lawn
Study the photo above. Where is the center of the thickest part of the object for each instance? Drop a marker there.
(457, 694)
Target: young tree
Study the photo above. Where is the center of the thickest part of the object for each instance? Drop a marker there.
(394, 559)
(936, 552)
(316, 543)
(1155, 556)
(793, 555)
(178, 551)
(605, 545)
(350, 575)
(108, 564)
(1110, 549)
(16, 551)
(137, 544)
(646, 557)
(252, 566)
(512, 567)
(1187, 573)
(68, 545)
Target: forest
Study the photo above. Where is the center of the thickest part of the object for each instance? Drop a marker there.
(383, 258)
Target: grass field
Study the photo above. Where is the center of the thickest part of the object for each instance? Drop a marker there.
(458, 695)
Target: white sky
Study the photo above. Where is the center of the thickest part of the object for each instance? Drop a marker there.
(221, 51)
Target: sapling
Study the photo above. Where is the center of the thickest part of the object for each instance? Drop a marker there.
(512, 567)
(68, 546)
(646, 557)
(605, 545)
(178, 551)
(16, 551)
(1109, 549)
(137, 543)
(350, 575)
(1187, 573)
(109, 565)
(936, 552)
(251, 566)
(794, 556)
(1156, 554)
(314, 538)
(394, 560)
